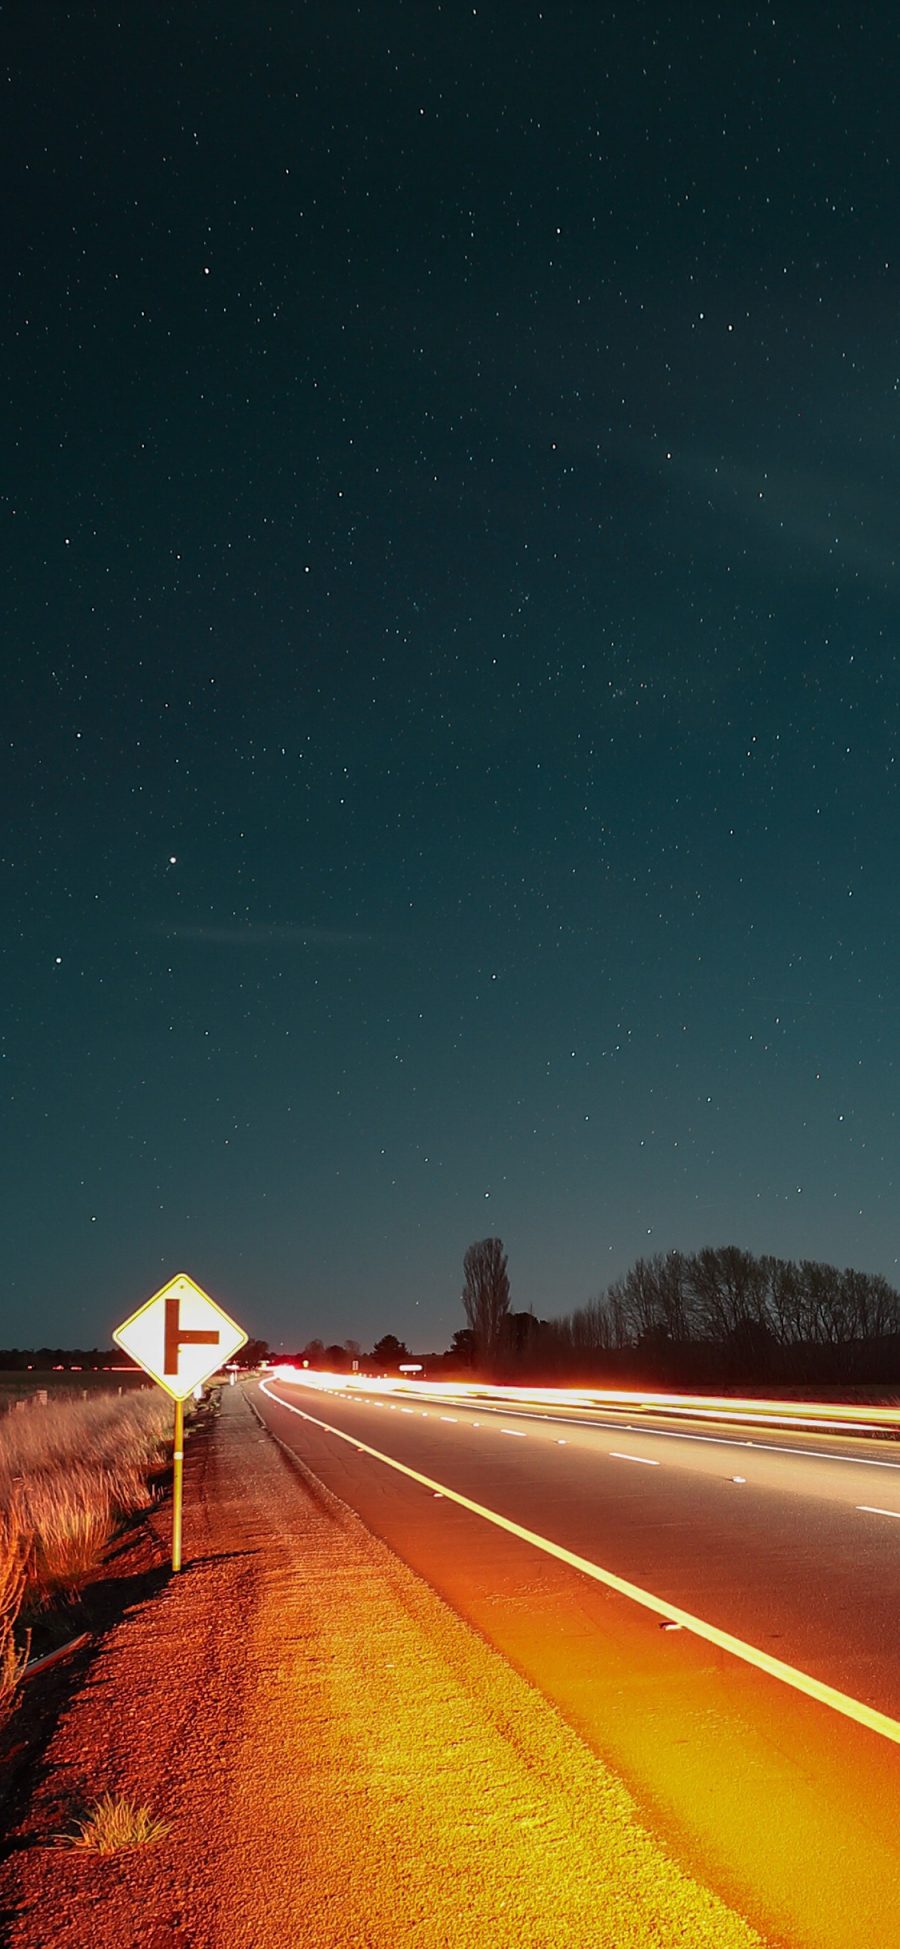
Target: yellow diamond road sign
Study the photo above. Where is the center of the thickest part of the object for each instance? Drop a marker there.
(180, 1336)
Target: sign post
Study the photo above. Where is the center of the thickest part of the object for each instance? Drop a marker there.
(179, 1337)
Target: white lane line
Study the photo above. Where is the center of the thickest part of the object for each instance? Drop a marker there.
(407, 1410)
(449, 1417)
(680, 1434)
(616, 1456)
(869, 1509)
(711, 1441)
(519, 1433)
(799, 1681)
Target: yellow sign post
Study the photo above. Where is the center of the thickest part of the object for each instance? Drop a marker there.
(180, 1336)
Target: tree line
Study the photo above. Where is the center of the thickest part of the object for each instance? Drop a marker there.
(717, 1317)
(720, 1317)
(90, 1360)
(16, 1360)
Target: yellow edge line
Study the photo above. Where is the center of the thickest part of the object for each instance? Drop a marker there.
(814, 1688)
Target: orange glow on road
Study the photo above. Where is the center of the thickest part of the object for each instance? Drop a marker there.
(777, 1668)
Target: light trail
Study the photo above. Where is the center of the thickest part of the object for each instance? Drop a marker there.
(840, 1417)
(790, 1675)
(794, 1417)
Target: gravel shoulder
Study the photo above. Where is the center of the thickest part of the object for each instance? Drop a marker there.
(343, 1762)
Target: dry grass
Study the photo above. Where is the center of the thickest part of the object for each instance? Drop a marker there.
(69, 1473)
(113, 1824)
(111, 1431)
(69, 1519)
(13, 1650)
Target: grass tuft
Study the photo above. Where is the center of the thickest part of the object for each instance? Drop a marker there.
(69, 1518)
(112, 1825)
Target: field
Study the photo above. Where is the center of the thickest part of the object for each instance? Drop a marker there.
(67, 1384)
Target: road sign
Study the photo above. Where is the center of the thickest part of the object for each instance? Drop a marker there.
(180, 1336)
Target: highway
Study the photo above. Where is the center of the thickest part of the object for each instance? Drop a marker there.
(713, 1606)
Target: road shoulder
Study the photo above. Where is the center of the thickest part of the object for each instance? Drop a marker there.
(343, 1762)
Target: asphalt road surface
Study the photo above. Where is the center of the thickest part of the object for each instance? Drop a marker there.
(787, 1544)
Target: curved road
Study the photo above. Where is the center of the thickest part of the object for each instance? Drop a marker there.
(787, 1544)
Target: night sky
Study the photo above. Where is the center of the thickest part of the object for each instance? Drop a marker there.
(450, 690)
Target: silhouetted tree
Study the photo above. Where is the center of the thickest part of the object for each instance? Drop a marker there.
(388, 1352)
(485, 1297)
(462, 1347)
(521, 1331)
(253, 1353)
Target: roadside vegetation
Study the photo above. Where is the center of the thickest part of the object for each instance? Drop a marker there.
(113, 1825)
(70, 1473)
